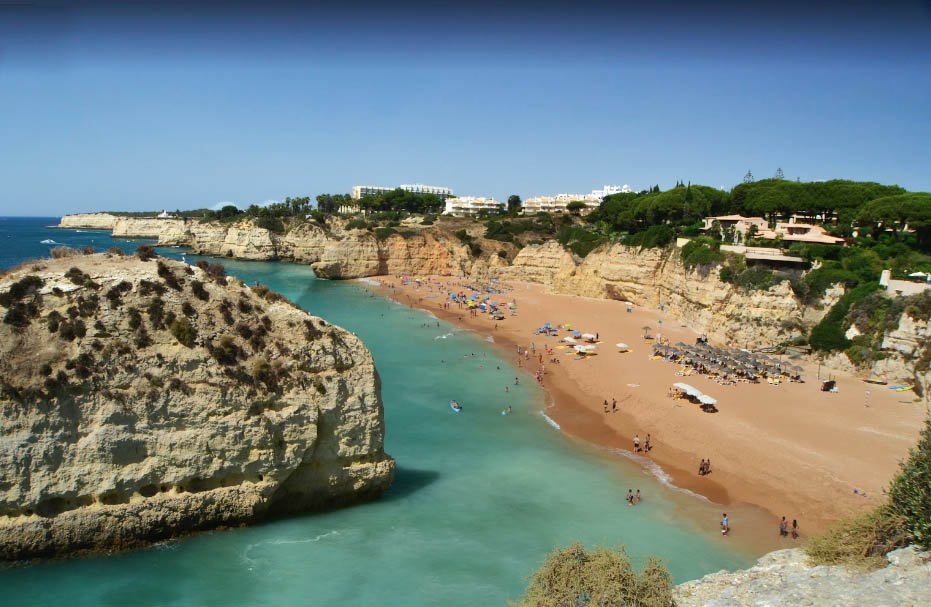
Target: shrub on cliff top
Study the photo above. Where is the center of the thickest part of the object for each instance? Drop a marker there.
(575, 576)
(183, 331)
(146, 252)
(910, 494)
(701, 251)
(861, 542)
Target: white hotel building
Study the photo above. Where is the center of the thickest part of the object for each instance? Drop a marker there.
(559, 202)
(359, 191)
(470, 206)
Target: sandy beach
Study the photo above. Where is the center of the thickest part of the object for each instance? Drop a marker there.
(790, 449)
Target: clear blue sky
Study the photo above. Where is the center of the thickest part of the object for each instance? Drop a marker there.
(182, 106)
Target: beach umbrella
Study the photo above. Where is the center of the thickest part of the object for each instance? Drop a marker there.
(622, 347)
(569, 340)
(547, 325)
(584, 348)
(576, 334)
(690, 390)
(706, 400)
(588, 336)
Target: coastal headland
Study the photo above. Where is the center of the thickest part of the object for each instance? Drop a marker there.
(790, 449)
(144, 399)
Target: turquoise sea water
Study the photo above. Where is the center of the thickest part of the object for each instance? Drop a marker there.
(479, 499)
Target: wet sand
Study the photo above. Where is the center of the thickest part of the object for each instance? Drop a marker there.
(790, 449)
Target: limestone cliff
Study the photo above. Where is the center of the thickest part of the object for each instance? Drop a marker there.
(785, 579)
(141, 400)
(333, 251)
(90, 221)
(144, 227)
(658, 279)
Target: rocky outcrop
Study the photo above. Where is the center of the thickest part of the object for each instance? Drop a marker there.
(785, 578)
(90, 221)
(145, 227)
(658, 279)
(357, 254)
(142, 400)
(241, 240)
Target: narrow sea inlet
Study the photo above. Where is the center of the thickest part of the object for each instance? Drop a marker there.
(479, 500)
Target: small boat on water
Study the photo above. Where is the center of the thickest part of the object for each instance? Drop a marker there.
(455, 406)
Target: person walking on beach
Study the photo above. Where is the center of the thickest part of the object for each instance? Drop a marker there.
(794, 529)
(647, 443)
(701, 467)
(606, 405)
(637, 443)
(783, 527)
(725, 528)
(614, 405)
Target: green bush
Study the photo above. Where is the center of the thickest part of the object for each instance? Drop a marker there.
(575, 576)
(829, 334)
(755, 279)
(357, 224)
(383, 233)
(656, 236)
(226, 351)
(860, 543)
(701, 251)
(910, 493)
(727, 274)
(272, 224)
(28, 286)
(184, 331)
(579, 240)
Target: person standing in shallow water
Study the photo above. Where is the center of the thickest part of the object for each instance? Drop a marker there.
(637, 443)
(783, 527)
(725, 527)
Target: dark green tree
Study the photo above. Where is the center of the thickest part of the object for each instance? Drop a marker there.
(514, 204)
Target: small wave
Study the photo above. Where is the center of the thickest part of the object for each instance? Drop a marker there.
(447, 336)
(307, 540)
(369, 281)
(252, 563)
(653, 468)
(166, 545)
(550, 421)
(49, 241)
(490, 339)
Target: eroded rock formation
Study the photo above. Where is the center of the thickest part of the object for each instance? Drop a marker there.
(658, 279)
(141, 400)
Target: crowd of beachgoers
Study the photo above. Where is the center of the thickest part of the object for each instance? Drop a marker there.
(571, 346)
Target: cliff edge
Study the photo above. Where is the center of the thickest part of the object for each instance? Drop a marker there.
(145, 399)
(784, 578)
